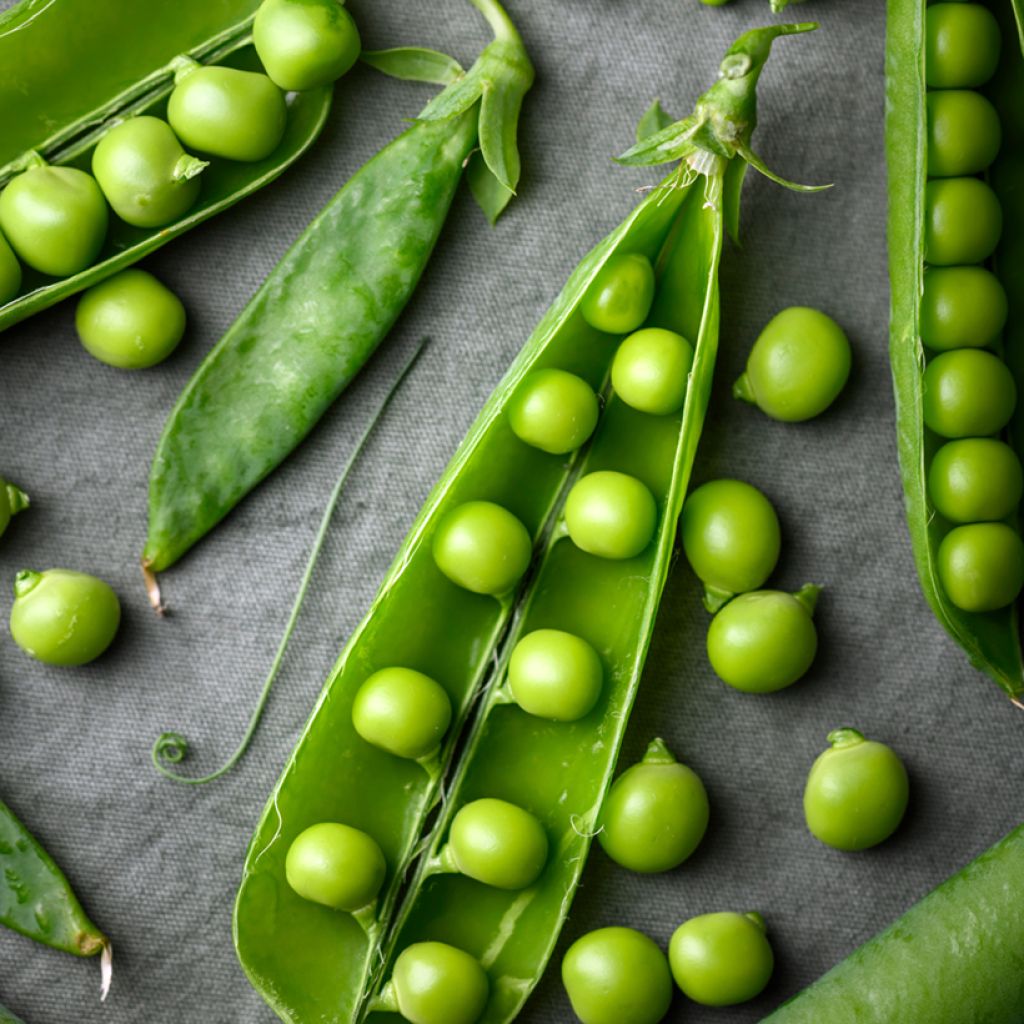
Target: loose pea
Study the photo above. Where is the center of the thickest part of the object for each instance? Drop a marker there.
(482, 547)
(336, 865)
(617, 976)
(10, 272)
(62, 617)
(554, 411)
(975, 479)
(655, 814)
(856, 792)
(55, 219)
(721, 959)
(305, 43)
(497, 843)
(403, 712)
(731, 537)
(555, 675)
(968, 393)
(620, 296)
(964, 133)
(981, 566)
(962, 220)
(961, 307)
(764, 641)
(797, 367)
(434, 983)
(130, 320)
(961, 46)
(12, 501)
(611, 515)
(238, 115)
(650, 370)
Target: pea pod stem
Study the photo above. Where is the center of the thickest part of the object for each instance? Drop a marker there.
(17, 499)
(658, 753)
(808, 596)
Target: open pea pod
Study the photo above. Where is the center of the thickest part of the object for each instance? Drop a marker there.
(990, 638)
(312, 963)
(69, 68)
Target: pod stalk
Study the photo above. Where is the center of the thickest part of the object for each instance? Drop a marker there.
(658, 753)
(17, 499)
(188, 167)
(743, 390)
(26, 581)
(808, 595)
(845, 737)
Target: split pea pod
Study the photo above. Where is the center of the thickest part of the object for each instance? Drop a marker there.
(38, 901)
(334, 296)
(598, 505)
(955, 147)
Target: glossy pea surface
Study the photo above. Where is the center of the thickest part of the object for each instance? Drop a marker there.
(305, 43)
(403, 712)
(655, 814)
(964, 132)
(620, 296)
(968, 393)
(610, 514)
(962, 221)
(856, 792)
(10, 272)
(238, 115)
(962, 307)
(721, 959)
(650, 370)
(554, 411)
(482, 547)
(63, 617)
(498, 843)
(434, 983)
(336, 865)
(975, 479)
(962, 43)
(555, 675)
(981, 566)
(617, 976)
(55, 219)
(130, 321)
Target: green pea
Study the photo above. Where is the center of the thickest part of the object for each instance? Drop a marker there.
(238, 115)
(968, 393)
(14, 500)
(620, 296)
(856, 792)
(981, 566)
(434, 983)
(554, 411)
(964, 133)
(961, 307)
(62, 617)
(721, 959)
(961, 46)
(10, 272)
(731, 538)
(764, 641)
(962, 221)
(55, 219)
(130, 320)
(655, 814)
(305, 43)
(797, 367)
(497, 843)
(617, 976)
(611, 515)
(975, 479)
(555, 675)
(403, 712)
(335, 865)
(650, 370)
(482, 547)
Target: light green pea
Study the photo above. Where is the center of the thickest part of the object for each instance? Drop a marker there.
(497, 843)
(555, 675)
(434, 983)
(554, 411)
(975, 479)
(611, 515)
(403, 712)
(968, 393)
(964, 132)
(482, 547)
(336, 865)
(962, 307)
(962, 221)
(962, 42)
(981, 566)
(620, 296)
(650, 370)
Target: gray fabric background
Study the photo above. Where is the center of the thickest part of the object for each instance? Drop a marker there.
(157, 865)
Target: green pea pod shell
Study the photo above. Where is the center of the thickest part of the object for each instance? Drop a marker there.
(6, 1017)
(38, 901)
(312, 964)
(991, 640)
(120, 58)
(331, 300)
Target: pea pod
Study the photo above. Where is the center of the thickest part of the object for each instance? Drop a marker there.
(335, 295)
(315, 965)
(990, 638)
(6, 1017)
(122, 60)
(38, 901)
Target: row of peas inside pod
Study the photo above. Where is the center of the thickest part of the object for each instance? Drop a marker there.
(974, 480)
(54, 218)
